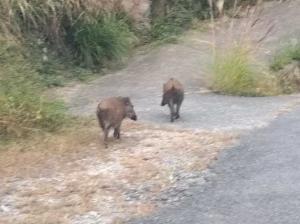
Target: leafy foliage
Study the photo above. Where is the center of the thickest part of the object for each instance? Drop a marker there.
(23, 109)
(285, 56)
(178, 17)
(103, 39)
(85, 27)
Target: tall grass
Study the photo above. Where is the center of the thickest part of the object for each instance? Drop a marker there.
(178, 17)
(285, 56)
(236, 73)
(23, 109)
(94, 28)
(234, 69)
(286, 64)
(104, 39)
(233, 74)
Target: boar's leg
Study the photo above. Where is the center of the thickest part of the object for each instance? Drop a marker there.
(117, 132)
(106, 130)
(171, 106)
(177, 115)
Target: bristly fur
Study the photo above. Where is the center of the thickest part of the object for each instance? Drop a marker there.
(111, 112)
(173, 94)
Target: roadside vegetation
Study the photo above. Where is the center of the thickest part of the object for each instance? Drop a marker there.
(286, 65)
(286, 55)
(23, 108)
(235, 72)
(176, 17)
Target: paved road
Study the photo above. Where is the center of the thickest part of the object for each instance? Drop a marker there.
(257, 182)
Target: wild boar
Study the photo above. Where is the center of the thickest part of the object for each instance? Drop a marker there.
(111, 112)
(173, 94)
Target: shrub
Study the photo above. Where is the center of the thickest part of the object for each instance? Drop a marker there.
(234, 73)
(178, 17)
(23, 109)
(286, 65)
(171, 25)
(103, 39)
(96, 34)
(285, 56)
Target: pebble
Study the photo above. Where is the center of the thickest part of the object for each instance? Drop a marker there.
(4, 208)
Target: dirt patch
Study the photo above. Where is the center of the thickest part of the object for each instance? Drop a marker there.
(71, 178)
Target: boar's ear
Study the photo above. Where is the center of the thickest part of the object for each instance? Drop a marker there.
(126, 100)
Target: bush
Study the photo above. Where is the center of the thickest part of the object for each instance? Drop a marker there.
(105, 39)
(286, 65)
(234, 73)
(171, 25)
(178, 18)
(285, 56)
(23, 109)
(85, 27)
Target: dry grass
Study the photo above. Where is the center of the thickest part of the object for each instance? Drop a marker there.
(69, 176)
(51, 12)
(235, 69)
(235, 72)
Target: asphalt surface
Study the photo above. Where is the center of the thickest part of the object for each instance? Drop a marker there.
(256, 182)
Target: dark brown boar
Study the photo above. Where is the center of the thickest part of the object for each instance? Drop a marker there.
(173, 94)
(111, 112)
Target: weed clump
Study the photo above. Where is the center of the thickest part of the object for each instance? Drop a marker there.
(177, 18)
(86, 30)
(285, 56)
(23, 108)
(234, 73)
(106, 38)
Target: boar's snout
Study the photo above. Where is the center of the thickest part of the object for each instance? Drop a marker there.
(130, 113)
(133, 117)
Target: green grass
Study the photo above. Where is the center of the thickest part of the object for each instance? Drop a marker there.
(54, 70)
(85, 30)
(178, 19)
(104, 39)
(285, 56)
(234, 73)
(23, 108)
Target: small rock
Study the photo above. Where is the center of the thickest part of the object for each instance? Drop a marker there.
(187, 193)
(5, 208)
(164, 198)
(93, 213)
